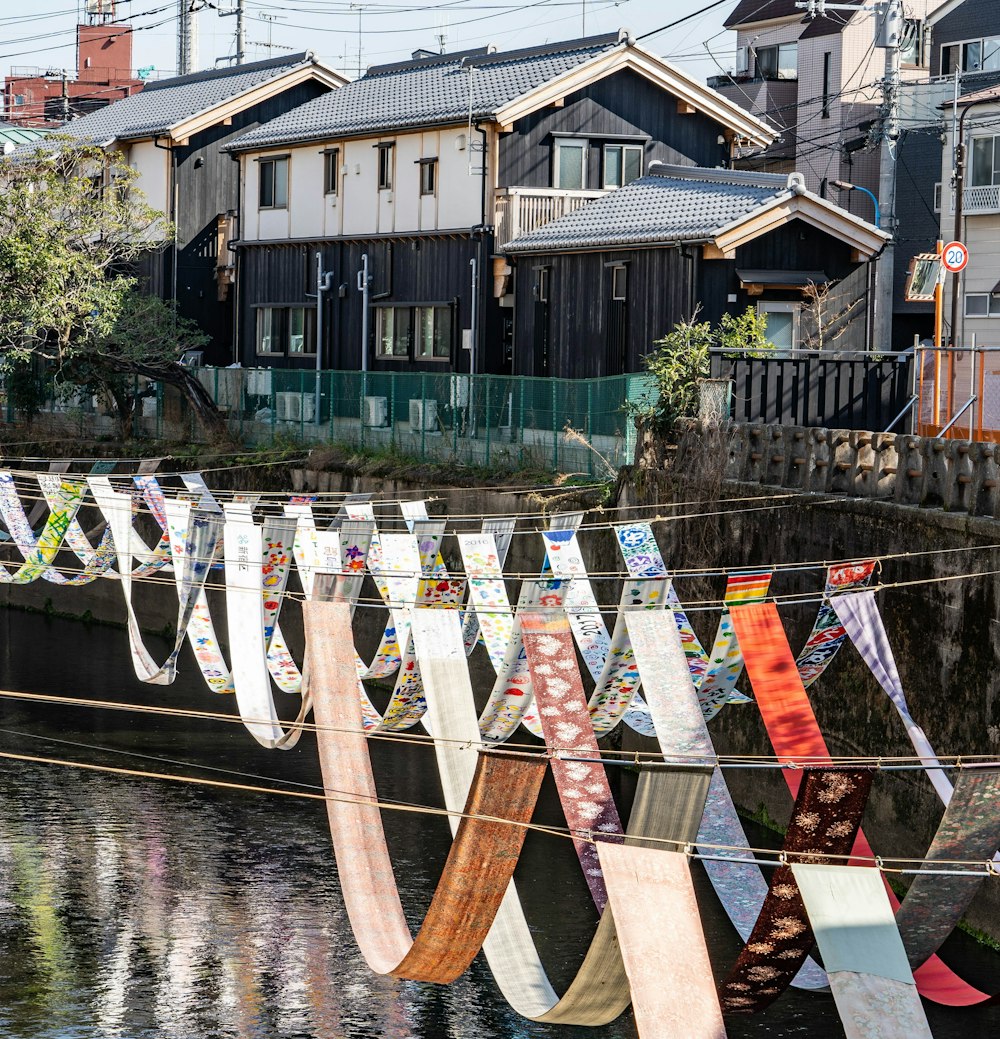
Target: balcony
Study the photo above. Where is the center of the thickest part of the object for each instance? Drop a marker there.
(521, 210)
(983, 198)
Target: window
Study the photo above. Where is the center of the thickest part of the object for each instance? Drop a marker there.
(827, 58)
(911, 46)
(385, 166)
(286, 330)
(985, 162)
(542, 284)
(331, 172)
(274, 183)
(570, 157)
(267, 333)
(393, 332)
(778, 62)
(971, 56)
(619, 283)
(782, 324)
(622, 164)
(742, 61)
(428, 176)
(433, 325)
(301, 333)
(982, 304)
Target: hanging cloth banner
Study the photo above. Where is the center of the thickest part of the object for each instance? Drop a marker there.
(96, 561)
(725, 661)
(970, 830)
(511, 696)
(191, 567)
(828, 632)
(244, 547)
(149, 488)
(824, 822)
(599, 993)
(61, 465)
(562, 551)
(490, 606)
(616, 694)
(39, 553)
(859, 614)
(871, 981)
(662, 943)
(795, 734)
(584, 792)
(682, 735)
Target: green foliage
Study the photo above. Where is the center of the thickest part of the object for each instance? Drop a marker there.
(24, 388)
(681, 360)
(745, 332)
(73, 224)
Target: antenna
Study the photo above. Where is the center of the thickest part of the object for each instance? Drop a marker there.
(360, 8)
(100, 12)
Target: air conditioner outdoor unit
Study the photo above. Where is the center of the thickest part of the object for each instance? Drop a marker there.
(288, 407)
(423, 415)
(376, 411)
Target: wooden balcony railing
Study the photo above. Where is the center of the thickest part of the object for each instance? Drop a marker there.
(521, 210)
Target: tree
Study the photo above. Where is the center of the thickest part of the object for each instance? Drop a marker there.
(73, 224)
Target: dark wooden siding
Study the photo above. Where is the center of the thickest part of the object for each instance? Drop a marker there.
(403, 271)
(664, 287)
(623, 103)
(208, 185)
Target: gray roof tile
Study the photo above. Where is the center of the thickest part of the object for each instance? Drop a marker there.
(673, 205)
(161, 104)
(425, 92)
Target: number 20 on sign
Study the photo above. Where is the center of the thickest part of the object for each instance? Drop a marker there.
(955, 257)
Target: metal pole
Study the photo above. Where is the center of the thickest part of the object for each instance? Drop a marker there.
(363, 288)
(972, 390)
(320, 286)
(892, 32)
(241, 32)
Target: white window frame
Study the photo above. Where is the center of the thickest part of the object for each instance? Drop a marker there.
(619, 291)
(623, 148)
(439, 312)
(267, 317)
(995, 138)
(386, 162)
(331, 172)
(778, 307)
(576, 144)
(778, 48)
(960, 46)
(307, 339)
(428, 177)
(992, 305)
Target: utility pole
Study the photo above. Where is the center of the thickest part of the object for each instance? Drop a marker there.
(240, 13)
(360, 8)
(187, 35)
(888, 35)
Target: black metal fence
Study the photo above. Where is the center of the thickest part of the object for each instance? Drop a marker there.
(838, 390)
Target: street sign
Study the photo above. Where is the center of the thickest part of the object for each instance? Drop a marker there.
(955, 257)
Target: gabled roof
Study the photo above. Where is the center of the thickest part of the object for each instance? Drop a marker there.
(749, 12)
(722, 208)
(166, 106)
(947, 8)
(989, 93)
(500, 87)
(831, 24)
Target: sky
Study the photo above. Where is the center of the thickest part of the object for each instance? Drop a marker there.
(42, 32)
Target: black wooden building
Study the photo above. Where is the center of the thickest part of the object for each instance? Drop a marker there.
(515, 139)
(173, 132)
(596, 288)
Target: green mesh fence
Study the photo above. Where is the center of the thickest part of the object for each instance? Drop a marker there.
(569, 425)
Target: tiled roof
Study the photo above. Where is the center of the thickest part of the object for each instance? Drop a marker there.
(672, 204)
(830, 25)
(426, 91)
(749, 11)
(161, 104)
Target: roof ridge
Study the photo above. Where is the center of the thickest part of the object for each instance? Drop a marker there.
(288, 61)
(718, 176)
(430, 61)
(584, 43)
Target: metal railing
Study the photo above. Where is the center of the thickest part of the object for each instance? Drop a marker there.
(496, 421)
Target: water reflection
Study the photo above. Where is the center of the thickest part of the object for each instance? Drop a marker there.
(132, 908)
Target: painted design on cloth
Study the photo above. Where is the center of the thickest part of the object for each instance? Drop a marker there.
(583, 787)
(859, 614)
(828, 633)
(824, 822)
(970, 830)
(616, 694)
(512, 694)
(682, 734)
(95, 561)
(725, 661)
(640, 551)
(502, 531)
(795, 734)
(394, 562)
(39, 553)
(488, 593)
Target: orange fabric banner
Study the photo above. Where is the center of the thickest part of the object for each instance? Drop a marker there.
(795, 734)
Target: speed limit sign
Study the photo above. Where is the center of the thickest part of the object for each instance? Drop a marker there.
(955, 257)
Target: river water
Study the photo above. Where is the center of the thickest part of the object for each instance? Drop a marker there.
(138, 908)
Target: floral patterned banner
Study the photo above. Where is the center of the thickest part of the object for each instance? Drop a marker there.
(39, 553)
